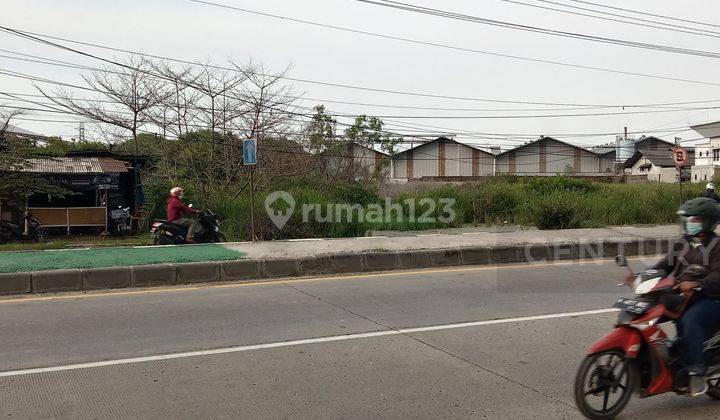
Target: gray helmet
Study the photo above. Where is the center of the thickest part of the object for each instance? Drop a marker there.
(704, 207)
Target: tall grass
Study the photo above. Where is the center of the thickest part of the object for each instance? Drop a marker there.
(547, 203)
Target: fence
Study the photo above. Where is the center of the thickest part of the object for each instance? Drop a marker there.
(68, 217)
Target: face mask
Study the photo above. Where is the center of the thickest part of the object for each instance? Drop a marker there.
(181, 196)
(693, 228)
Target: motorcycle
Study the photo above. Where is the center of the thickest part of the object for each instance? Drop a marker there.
(638, 355)
(168, 233)
(121, 220)
(11, 232)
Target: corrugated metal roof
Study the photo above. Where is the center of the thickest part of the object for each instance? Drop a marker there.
(447, 140)
(547, 138)
(73, 165)
(111, 165)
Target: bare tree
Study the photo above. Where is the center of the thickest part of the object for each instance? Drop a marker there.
(216, 87)
(269, 118)
(133, 91)
(179, 112)
(202, 114)
(6, 115)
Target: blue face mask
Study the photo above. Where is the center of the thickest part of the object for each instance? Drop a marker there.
(693, 228)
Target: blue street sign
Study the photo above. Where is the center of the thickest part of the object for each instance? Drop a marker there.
(249, 152)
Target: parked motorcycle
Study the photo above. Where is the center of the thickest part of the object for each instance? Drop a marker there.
(168, 233)
(121, 219)
(10, 232)
(638, 355)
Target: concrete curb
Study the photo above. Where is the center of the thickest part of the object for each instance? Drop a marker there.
(239, 270)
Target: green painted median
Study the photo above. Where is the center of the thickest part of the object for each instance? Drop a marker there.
(12, 262)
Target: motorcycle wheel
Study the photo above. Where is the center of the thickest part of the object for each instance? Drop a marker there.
(162, 239)
(219, 237)
(608, 377)
(714, 385)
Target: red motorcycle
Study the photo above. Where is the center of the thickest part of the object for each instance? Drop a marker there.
(638, 354)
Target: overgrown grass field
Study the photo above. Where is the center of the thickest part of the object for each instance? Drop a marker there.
(547, 203)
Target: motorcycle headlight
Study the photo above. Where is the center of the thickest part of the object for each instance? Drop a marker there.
(646, 286)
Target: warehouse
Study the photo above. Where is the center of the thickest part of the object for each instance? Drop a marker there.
(442, 159)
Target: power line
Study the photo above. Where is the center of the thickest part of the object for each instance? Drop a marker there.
(459, 117)
(378, 90)
(483, 117)
(564, 156)
(646, 23)
(568, 107)
(70, 49)
(395, 132)
(413, 41)
(535, 29)
(647, 13)
(461, 134)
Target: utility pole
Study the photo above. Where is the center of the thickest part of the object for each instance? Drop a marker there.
(81, 132)
(252, 203)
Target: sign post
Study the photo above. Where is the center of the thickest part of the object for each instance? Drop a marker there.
(680, 156)
(250, 159)
(249, 152)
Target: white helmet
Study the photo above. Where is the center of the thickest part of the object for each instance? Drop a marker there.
(176, 192)
(710, 186)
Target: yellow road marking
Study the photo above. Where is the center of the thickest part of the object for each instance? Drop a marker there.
(258, 282)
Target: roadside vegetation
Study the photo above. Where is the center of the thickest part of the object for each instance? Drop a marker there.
(546, 203)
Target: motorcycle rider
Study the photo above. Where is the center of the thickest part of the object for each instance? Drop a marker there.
(176, 210)
(699, 245)
(710, 192)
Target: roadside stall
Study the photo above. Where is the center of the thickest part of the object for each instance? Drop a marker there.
(94, 184)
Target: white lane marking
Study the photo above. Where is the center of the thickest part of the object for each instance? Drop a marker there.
(305, 240)
(299, 342)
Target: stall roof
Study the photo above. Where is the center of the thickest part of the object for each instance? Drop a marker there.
(74, 165)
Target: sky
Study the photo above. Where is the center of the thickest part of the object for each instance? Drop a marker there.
(197, 32)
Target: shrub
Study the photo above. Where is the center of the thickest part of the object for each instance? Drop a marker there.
(355, 192)
(549, 185)
(554, 212)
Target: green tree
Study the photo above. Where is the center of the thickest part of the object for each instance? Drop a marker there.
(55, 146)
(368, 131)
(320, 131)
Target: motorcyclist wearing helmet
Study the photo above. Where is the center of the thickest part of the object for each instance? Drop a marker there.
(699, 245)
(176, 210)
(710, 192)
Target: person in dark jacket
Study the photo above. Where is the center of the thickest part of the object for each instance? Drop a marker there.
(176, 211)
(710, 192)
(699, 245)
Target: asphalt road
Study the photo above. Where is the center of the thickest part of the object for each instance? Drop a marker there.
(374, 346)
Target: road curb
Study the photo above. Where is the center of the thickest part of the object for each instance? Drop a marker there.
(106, 278)
(153, 275)
(197, 272)
(15, 283)
(341, 263)
(56, 281)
